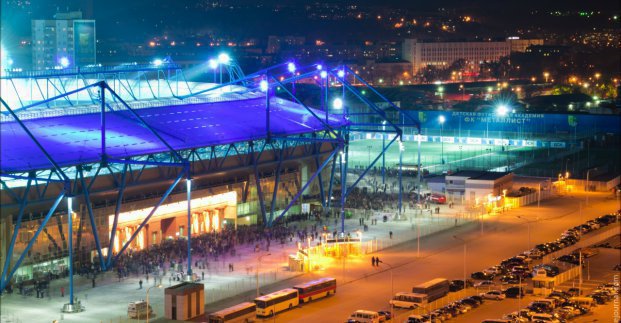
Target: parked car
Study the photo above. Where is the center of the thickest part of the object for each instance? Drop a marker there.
(514, 292)
(437, 198)
(510, 279)
(493, 294)
(484, 283)
(479, 275)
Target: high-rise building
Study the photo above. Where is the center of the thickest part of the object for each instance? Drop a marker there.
(443, 54)
(66, 41)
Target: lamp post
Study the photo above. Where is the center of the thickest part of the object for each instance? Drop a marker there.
(527, 222)
(392, 289)
(148, 289)
(441, 119)
(587, 185)
(566, 161)
(464, 242)
(257, 271)
(383, 154)
(369, 155)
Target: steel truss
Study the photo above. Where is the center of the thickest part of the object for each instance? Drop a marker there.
(327, 148)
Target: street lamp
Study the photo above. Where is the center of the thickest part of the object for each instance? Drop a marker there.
(148, 289)
(392, 290)
(257, 271)
(464, 242)
(442, 119)
(587, 185)
(546, 75)
(527, 222)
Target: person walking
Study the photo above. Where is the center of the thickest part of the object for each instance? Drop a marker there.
(62, 291)
(373, 261)
(140, 283)
(390, 234)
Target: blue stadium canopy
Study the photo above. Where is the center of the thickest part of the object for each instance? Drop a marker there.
(76, 139)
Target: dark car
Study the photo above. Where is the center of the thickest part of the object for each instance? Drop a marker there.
(387, 315)
(477, 298)
(479, 275)
(456, 285)
(514, 292)
(473, 303)
(510, 279)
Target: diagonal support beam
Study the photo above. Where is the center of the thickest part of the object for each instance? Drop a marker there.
(9, 255)
(117, 210)
(32, 240)
(148, 217)
(89, 207)
(310, 180)
(370, 166)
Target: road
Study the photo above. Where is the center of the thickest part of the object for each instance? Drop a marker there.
(367, 287)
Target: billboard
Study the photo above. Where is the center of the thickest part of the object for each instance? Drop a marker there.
(84, 42)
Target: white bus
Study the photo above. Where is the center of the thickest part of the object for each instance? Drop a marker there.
(240, 313)
(434, 289)
(270, 304)
(409, 300)
(315, 289)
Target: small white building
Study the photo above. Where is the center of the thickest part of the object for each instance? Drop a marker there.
(467, 186)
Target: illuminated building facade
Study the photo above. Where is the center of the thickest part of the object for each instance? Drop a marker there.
(443, 54)
(65, 41)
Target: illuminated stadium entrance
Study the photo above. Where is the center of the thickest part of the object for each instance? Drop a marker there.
(209, 214)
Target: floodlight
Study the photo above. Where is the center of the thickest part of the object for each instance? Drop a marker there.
(502, 110)
(441, 119)
(341, 73)
(224, 58)
(337, 103)
(291, 67)
(157, 62)
(323, 74)
(64, 62)
(213, 64)
(263, 85)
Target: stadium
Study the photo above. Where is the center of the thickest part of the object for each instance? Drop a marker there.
(98, 162)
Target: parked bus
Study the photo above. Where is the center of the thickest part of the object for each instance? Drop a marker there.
(240, 313)
(434, 289)
(316, 289)
(408, 300)
(270, 304)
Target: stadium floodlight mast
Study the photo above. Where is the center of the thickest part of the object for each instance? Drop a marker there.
(223, 59)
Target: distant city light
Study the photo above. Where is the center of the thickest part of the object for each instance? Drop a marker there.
(441, 119)
(224, 58)
(64, 62)
(263, 85)
(291, 67)
(157, 62)
(337, 103)
(213, 64)
(502, 110)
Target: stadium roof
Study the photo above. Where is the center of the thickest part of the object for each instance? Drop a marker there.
(76, 139)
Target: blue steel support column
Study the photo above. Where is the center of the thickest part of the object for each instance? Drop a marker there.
(276, 184)
(32, 240)
(257, 181)
(102, 91)
(189, 197)
(9, 254)
(70, 236)
(331, 181)
(343, 189)
(400, 176)
(267, 110)
(321, 191)
(383, 154)
(117, 210)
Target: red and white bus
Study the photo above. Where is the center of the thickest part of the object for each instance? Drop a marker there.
(316, 289)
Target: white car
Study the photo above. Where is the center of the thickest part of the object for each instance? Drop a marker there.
(484, 283)
(495, 270)
(493, 294)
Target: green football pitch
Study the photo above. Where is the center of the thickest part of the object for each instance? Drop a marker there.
(471, 157)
